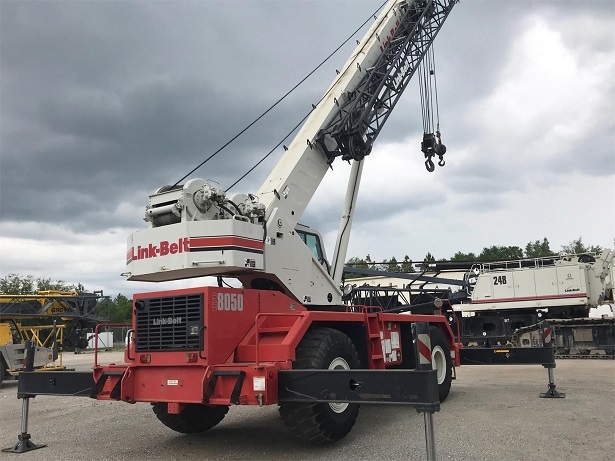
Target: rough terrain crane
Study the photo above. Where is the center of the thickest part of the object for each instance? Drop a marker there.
(285, 337)
(290, 311)
(194, 352)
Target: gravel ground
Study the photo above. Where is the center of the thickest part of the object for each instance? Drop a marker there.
(493, 413)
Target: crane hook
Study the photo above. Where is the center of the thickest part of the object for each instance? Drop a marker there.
(429, 148)
(440, 149)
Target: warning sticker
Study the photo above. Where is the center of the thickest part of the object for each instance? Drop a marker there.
(259, 383)
(386, 345)
(394, 339)
(172, 382)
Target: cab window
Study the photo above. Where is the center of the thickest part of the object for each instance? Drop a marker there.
(313, 243)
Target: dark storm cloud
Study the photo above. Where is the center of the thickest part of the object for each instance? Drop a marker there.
(154, 134)
(103, 102)
(104, 99)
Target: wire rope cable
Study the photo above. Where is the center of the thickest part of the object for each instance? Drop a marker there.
(251, 124)
(428, 89)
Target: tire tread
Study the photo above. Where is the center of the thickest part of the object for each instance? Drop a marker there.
(310, 421)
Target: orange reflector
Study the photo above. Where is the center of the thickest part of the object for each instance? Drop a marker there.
(145, 358)
(191, 357)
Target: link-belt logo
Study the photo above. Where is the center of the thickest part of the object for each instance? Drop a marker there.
(164, 248)
(168, 321)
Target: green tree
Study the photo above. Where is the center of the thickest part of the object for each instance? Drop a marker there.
(459, 256)
(124, 308)
(392, 265)
(429, 258)
(358, 263)
(105, 308)
(577, 247)
(46, 284)
(498, 253)
(538, 249)
(27, 285)
(406, 265)
(15, 284)
(116, 310)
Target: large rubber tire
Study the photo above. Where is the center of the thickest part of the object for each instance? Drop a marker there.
(193, 419)
(318, 423)
(441, 361)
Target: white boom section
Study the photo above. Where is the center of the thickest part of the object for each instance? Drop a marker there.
(298, 174)
(195, 231)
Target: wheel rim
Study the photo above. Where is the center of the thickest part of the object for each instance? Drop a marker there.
(438, 363)
(338, 364)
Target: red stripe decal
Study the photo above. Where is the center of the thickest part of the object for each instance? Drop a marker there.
(529, 298)
(424, 351)
(197, 242)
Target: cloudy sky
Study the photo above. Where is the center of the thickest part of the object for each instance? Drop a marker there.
(102, 102)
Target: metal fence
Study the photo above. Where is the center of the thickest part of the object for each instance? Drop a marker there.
(119, 337)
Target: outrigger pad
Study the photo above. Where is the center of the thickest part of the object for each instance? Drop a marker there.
(552, 394)
(24, 444)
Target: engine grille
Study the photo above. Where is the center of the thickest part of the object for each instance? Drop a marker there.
(169, 323)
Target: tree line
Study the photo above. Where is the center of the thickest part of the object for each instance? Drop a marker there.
(28, 285)
(533, 249)
(116, 310)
